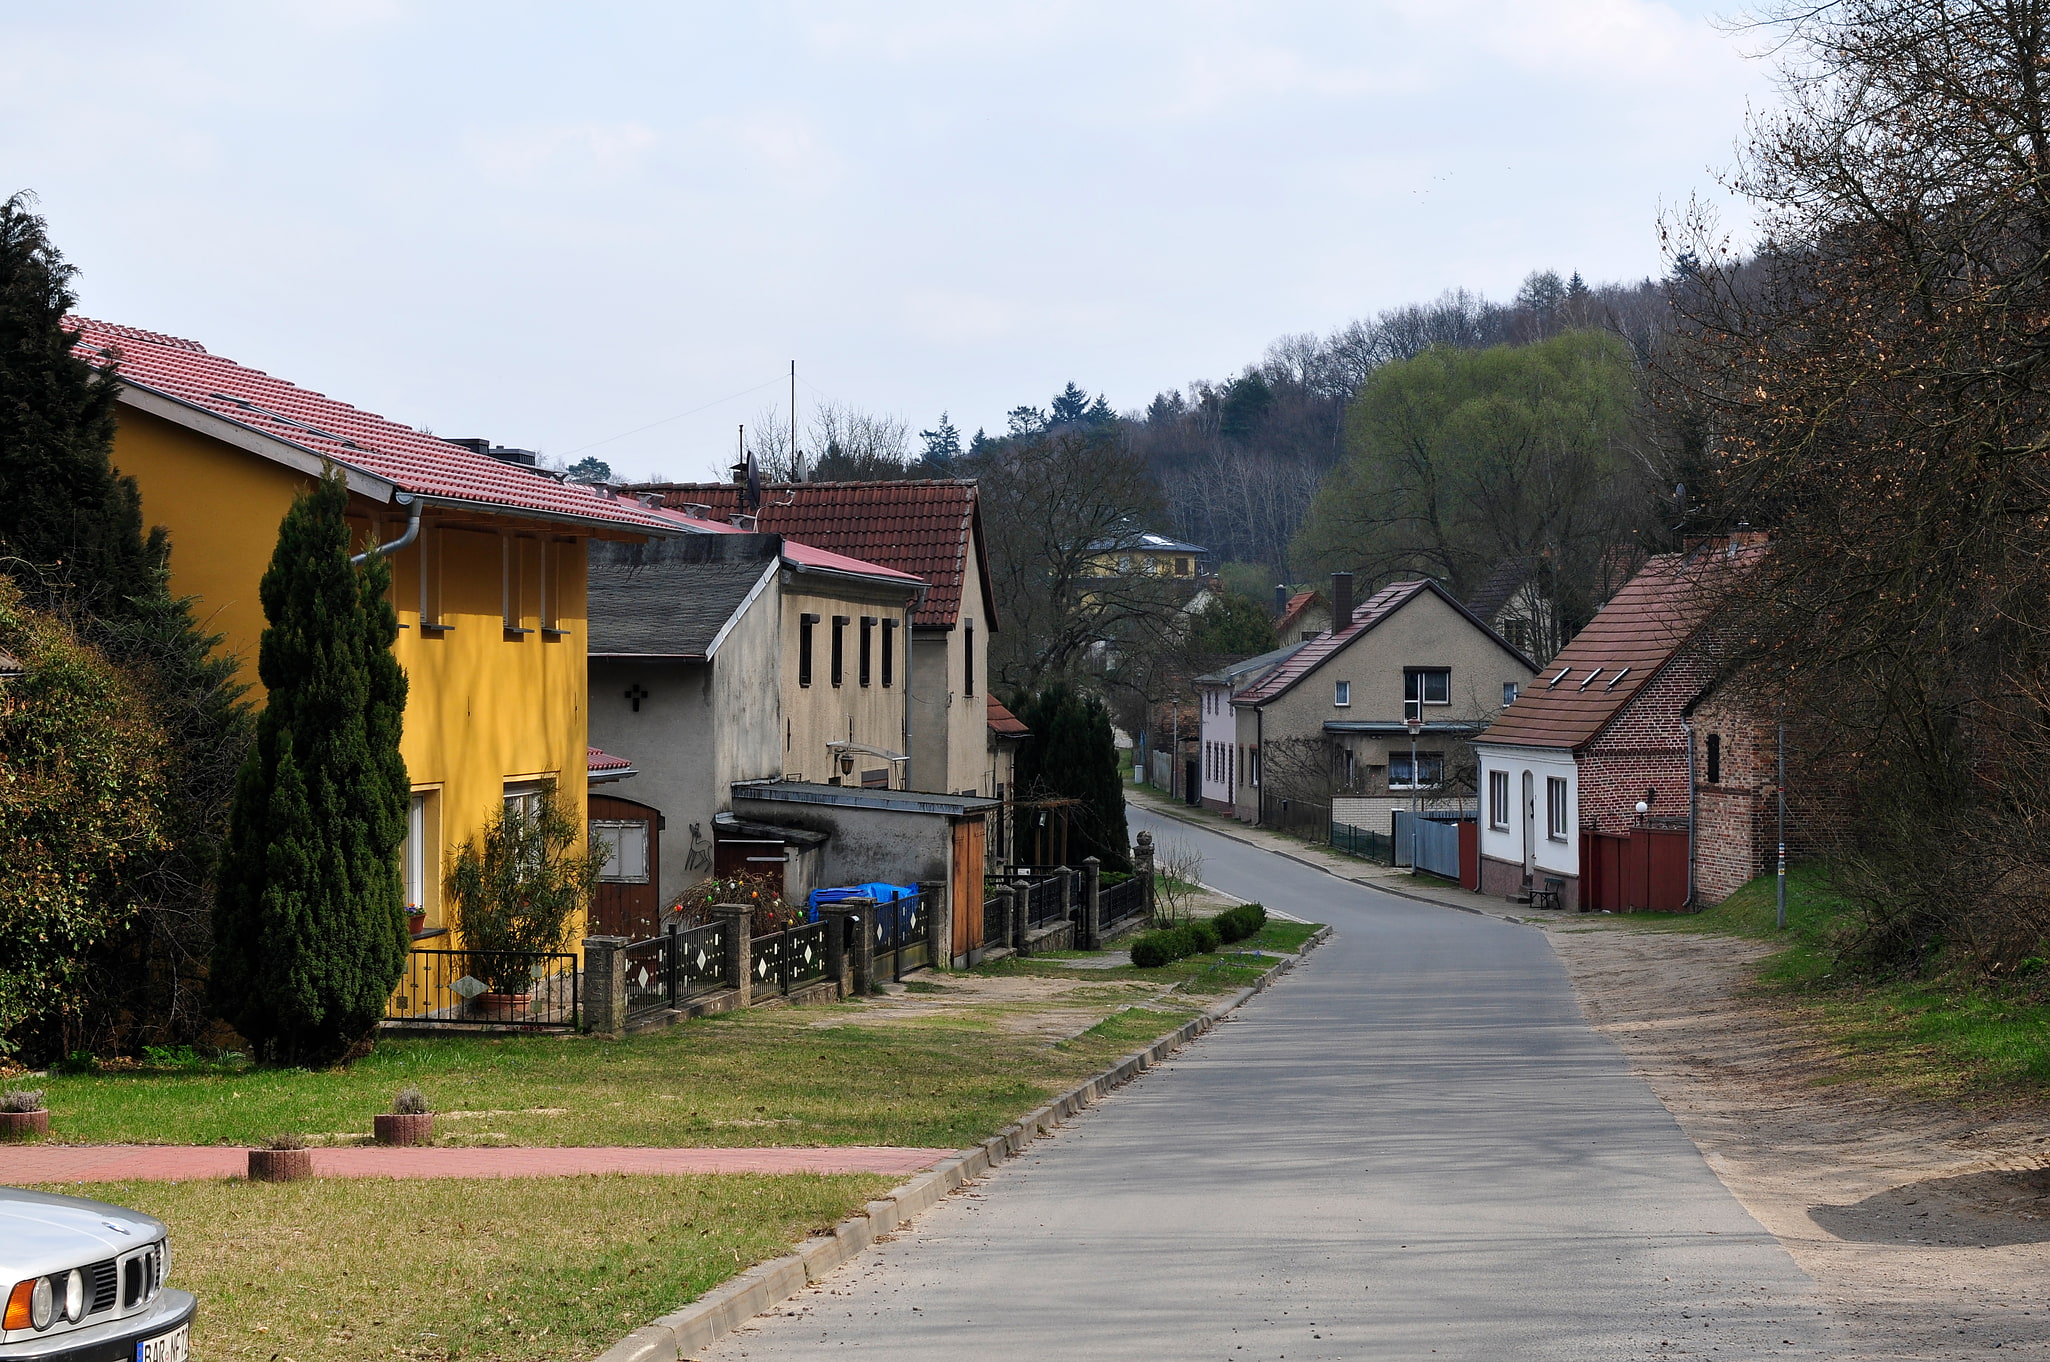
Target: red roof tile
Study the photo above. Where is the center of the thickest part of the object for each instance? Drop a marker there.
(921, 527)
(1292, 614)
(410, 460)
(596, 759)
(804, 555)
(1609, 661)
(1365, 616)
(1003, 723)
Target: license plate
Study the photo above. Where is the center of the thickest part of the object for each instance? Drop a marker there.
(171, 1347)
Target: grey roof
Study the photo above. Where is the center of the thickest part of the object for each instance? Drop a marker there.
(855, 796)
(1502, 585)
(1232, 673)
(673, 598)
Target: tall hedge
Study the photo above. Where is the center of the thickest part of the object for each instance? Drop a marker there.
(309, 922)
(1072, 754)
(81, 784)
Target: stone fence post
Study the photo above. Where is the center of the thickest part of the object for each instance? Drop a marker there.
(605, 985)
(1021, 918)
(1091, 927)
(739, 920)
(861, 943)
(1142, 865)
(939, 922)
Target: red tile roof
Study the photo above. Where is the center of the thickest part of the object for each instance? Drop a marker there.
(596, 759)
(1365, 616)
(411, 460)
(1293, 612)
(1003, 723)
(804, 555)
(1621, 649)
(920, 527)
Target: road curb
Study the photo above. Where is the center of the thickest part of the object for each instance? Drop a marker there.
(765, 1285)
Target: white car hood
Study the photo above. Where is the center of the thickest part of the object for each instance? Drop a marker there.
(40, 1233)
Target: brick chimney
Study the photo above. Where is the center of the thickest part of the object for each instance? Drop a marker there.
(1341, 600)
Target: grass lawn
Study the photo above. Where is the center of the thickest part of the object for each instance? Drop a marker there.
(944, 1065)
(518, 1269)
(1948, 1036)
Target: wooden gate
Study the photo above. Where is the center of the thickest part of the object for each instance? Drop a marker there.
(628, 902)
(966, 891)
(1641, 871)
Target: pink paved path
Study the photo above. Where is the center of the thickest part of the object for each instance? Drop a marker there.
(168, 1163)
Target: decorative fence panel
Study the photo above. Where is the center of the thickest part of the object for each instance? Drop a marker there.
(1364, 843)
(532, 990)
(669, 970)
(791, 958)
(996, 915)
(1117, 902)
(901, 937)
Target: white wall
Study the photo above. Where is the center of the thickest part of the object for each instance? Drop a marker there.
(1506, 844)
(1220, 732)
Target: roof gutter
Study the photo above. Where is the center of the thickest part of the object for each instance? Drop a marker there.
(914, 585)
(412, 533)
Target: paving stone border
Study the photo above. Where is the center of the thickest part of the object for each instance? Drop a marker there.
(765, 1285)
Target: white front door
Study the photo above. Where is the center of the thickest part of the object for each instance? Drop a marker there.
(1529, 827)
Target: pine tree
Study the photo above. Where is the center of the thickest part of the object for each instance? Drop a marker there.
(942, 446)
(309, 921)
(1073, 755)
(70, 526)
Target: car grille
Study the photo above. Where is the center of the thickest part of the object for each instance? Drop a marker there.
(141, 1276)
(104, 1279)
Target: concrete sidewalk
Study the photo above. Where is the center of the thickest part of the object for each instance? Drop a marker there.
(1387, 879)
(179, 1163)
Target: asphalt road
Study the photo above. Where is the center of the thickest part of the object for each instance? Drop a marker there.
(1410, 1147)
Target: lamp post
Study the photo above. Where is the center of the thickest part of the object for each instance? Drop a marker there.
(1413, 720)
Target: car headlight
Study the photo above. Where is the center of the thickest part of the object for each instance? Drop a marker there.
(74, 1295)
(42, 1304)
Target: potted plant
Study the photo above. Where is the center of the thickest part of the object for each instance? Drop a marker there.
(284, 1159)
(23, 1115)
(409, 1122)
(514, 895)
(416, 920)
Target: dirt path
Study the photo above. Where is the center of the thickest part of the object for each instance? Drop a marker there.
(1926, 1228)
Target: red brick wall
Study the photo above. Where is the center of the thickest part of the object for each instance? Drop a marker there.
(1645, 748)
(1736, 832)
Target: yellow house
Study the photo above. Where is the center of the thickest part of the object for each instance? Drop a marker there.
(1145, 555)
(487, 558)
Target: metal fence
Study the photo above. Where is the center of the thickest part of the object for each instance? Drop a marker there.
(902, 937)
(669, 970)
(996, 915)
(533, 990)
(1364, 843)
(1435, 840)
(1116, 902)
(787, 959)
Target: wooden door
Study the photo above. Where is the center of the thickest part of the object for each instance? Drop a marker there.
(966, 890)
(628, 902)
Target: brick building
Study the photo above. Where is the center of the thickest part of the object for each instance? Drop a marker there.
(1597, 755)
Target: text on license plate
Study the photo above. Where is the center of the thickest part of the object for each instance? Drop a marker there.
(171, 1347)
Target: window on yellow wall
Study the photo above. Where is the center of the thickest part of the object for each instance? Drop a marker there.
(420, 855)
(553, 552)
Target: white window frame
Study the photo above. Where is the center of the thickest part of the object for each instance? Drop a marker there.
(1413, 687)
(612, 832)
(1421, 759)
(1341, 694)
(414, 855)
(1510, 690)
(1498, 800)
(1558, 813)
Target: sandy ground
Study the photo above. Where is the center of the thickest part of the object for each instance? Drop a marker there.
(1926, 1228)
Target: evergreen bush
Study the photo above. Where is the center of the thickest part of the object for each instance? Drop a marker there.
(1238, 923)
(519, 888)
(309, 919)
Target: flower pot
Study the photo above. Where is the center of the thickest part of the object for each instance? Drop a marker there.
(24, 1125)
(404, 1128)
(416, 923)
(280, 1165)
(502, 1006)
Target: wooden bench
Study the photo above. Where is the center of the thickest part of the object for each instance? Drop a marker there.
(1549, 896)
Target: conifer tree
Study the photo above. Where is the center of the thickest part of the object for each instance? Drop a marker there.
(1073, 755)
(70, 526)
(309, 920)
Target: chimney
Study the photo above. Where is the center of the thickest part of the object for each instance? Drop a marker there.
(1280, 600)
(1341, 600)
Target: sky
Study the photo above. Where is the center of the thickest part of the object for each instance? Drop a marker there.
(608, 228)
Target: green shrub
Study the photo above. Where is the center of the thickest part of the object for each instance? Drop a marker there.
(1155, 949)
(1201, 937)
(1241, 922)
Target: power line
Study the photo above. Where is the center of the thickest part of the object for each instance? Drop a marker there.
(667, 419)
